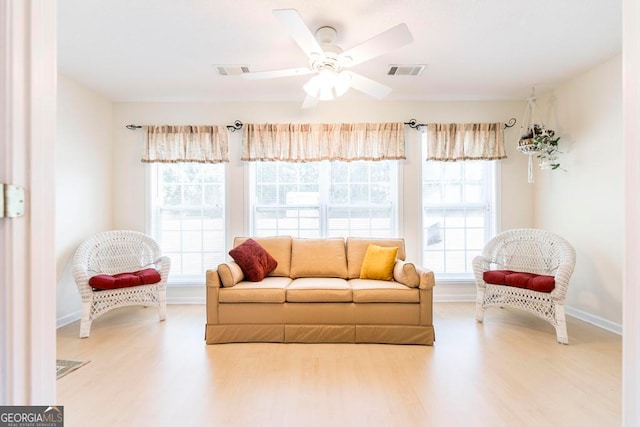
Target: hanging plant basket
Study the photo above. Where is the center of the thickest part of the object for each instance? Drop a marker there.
(542, 143)
(538, 141)
(528, 146)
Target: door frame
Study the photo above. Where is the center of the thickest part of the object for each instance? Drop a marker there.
(28, 73)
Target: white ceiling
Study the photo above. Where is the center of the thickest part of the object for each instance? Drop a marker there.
(165, 50)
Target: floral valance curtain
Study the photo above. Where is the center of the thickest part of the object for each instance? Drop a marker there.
(314, 142)
(465, 141)
(173, 144)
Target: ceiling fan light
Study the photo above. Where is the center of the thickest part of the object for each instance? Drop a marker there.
(326, 93)
(312, 87)
(327, 77)
(342, 83)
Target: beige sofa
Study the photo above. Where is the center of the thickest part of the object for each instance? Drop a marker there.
(315, 295)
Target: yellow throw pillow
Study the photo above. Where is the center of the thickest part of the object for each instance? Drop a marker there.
(378, 263)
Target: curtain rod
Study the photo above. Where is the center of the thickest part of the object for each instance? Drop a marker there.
(237, 125)
(413, 123)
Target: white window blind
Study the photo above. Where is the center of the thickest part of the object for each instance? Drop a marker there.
(324, 199)
(459, 214)
(188, 217)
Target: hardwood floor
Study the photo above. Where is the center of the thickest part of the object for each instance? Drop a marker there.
(508, 371)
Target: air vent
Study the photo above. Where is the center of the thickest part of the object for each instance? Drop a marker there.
(231, 70)
(406, 70)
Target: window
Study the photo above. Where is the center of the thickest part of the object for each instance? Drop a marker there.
(188, 216)
(324, 199)
(458, 214)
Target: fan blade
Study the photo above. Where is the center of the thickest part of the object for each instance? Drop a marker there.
(382, 43)
(368, 86)
(291, 19)
(310, 102)
(277, 73)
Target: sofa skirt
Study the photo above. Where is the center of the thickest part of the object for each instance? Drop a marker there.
(324, 313)
(319, 333)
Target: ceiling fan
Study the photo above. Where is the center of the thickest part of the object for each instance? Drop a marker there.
(329, 63)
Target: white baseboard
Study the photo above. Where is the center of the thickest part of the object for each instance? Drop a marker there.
(447, 297)
(454, 292)
(598, 321)
(463, 296)
(186, 300)
(69, 318)
(465, 292)
(72, 317)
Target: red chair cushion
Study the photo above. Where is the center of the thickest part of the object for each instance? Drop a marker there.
(534, 282)
(147, 276)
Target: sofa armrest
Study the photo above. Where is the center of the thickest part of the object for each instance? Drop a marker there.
(427, 278)
(213, 287)
(427, 282)
(213, 279)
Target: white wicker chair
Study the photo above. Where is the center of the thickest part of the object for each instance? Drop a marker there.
(533, 251)
(113, 252)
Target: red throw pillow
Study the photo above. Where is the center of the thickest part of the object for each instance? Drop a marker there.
(254, 261)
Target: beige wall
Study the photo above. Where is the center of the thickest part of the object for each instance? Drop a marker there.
(130, 175)
(586, 111)
(586, 204)
(83, 173)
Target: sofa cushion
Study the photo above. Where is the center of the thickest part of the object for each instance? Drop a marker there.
(254, 261)
(269, 290)
(365, 290)
(318, 258)
(317, 289)
(230, 273)
(357, 247)
(279, 247)
(148, 276)
(378, 263)
(406, 273)
(534, 282)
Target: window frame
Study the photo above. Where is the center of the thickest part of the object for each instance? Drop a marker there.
(324, 188)
(152, 189)
(492, 205)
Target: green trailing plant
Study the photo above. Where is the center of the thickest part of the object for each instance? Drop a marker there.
(545, 143)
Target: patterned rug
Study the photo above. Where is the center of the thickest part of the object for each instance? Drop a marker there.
(63, 367)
